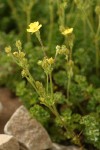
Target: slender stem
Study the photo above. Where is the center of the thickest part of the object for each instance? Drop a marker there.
(42, 47)
(58, 115)
(51, 85)
(53, 107)
(63, 16)
(41, 43)
(75, 21)
(64, 124)
(90, 26)
(88, 22)
(72, 7)
(68, 87)
(47, 83)
(30, 76)
(28, 16)
(33, 85)
(51, 22)
(97, 56)
(61, 13)
(97, 47)
(15, 14)
(31, 80)
(55, 112)
(98, 30)
(84, 29)
(96, 40)
(69, 76)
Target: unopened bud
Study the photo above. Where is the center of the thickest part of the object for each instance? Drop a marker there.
(50, 60)
(24, 73)
(21, 54)
(39, 62)
(19, 45)
(8, 49)
(16, 54)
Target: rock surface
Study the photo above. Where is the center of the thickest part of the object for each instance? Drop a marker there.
(8, 142)
(23, 147)
(61, 147)
(27, 130)
(10, 103)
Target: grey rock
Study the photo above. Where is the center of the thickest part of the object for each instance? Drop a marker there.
(27, 130)
(61, 147)
(8, 142)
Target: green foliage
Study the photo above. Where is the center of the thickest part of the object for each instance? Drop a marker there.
(40, 113)
(91, 127)
(28, 97)
(69, 99)
(94, 102)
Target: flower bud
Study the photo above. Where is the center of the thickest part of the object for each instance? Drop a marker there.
(24, 73)
(57, 47)
(16, 54)
(39, 62)
(50, 61)
(19, 45)
(8, 49)
(21, 54)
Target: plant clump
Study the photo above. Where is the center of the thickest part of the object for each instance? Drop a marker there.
(63, 69)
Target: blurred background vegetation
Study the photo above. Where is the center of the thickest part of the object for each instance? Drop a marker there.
(84, 17)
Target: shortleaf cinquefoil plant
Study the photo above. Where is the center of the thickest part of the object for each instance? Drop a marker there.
(46, 95)
(53, 103)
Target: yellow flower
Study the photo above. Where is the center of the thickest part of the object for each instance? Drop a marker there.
(67, 31)
(34, 27)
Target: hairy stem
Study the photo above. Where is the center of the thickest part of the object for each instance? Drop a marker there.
(51, 85)
(47, 86)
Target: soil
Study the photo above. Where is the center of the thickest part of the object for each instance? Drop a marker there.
(10, 103)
